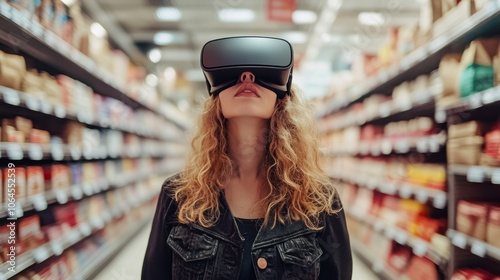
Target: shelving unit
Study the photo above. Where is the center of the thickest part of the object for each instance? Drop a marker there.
(463, 182)
(25, 36)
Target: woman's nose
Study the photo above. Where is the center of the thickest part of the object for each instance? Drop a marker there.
(247, 77)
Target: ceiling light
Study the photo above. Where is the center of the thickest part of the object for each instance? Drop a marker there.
(236, 15)
(163, 38)
(304, 17)
(152, 80)
(168, 14)
(154, 55)
(170, 74)
(295, 37)
(68, 3)
(97, 30)
(370, 18)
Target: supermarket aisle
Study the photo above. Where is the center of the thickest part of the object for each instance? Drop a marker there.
(127, 264)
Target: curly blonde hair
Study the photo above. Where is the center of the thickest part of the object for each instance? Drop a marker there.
(296, 187)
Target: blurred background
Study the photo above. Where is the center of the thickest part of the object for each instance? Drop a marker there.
(99, 98)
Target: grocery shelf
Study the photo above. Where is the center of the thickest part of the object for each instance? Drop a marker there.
(387, 112)
(77, 234)
(40, 202)
(476, 173)
(402, 189)
(107, 252)
(32, 104)
(21, 33)
(425, 144)
(64, 152)
(478, 100)
(477, 247)
(426, 58)
(420, 247)
(376, 263)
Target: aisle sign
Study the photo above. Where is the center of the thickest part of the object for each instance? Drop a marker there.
(280, 10)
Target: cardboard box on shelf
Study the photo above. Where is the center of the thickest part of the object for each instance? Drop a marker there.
(12, 70)
(465, 150)
(449, 71)
(472, 218)
(33, 84)
(430, 12)
(477, 66)
(454, 17)
(51, 88)
(471, 128)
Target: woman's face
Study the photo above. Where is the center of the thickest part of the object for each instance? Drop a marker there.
(247, 99)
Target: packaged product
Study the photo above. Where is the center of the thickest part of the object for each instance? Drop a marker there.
(477, 66)
(472, 218)
(493, 227)
(12, 70)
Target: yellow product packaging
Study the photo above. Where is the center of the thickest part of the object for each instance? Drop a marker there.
(32, 84)
(12, 70)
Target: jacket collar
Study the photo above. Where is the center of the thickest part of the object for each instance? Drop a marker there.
(226, 229)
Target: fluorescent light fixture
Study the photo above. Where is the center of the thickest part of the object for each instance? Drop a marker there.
(163, 38)
(304, 17)
(236, 15)
(295, 37)
(98, 30)
(168, 14)
(154, 55)
(68, 3)
(371, 18)
(152, 80)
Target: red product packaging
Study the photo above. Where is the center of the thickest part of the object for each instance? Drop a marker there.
(492, 143)
(57, 177)
(30, 232)
(471, 274)
(472, 218)
(35, 180)
(18, 183)
(67, 214)
(399, 257)
(421, 268)
(493, 227)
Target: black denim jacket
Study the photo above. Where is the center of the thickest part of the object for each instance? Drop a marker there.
(291, 250)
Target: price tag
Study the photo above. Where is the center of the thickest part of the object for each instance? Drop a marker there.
(96, 187)
(402, 237)
(389, 188)
(14, 151)
(19, 210)
(32, 103)
(378, 226)
(405, 191)
(57, 151)
(386, 146)
(35, 152)
(106, 216)
(39, 202)
(378, 267)
(74, 55)
(390, 233)
(5, 9)
(420, 248)
(478, 248)
(11, 96)
(490, 96)
(85, 229)
(375, 150)
(76, 192)
(495, 176)
(75, 153)
(59, 111)
(475, 101)
(50, 39)
(87, 189)
(73, 236)
(422, 145)
(422, 195)
(37, 29)
(41, 254)
(56, 246)
(459, 240)
(439, 200)
(61, 196)
(476, 175)
(403, 146)
(96, 222)
(46, 107)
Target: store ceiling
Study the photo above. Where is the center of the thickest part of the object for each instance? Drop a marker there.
(336, 28)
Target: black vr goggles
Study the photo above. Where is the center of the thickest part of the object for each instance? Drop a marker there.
(269, 59)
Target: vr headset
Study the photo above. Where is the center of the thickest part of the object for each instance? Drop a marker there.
(269, 59)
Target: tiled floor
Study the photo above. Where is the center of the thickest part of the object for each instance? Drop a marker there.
(128, 263)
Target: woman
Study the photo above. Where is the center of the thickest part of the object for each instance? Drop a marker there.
(253, 202)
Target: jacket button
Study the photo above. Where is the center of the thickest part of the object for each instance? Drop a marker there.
(262, 263)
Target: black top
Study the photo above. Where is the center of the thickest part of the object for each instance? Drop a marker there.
(248, 228)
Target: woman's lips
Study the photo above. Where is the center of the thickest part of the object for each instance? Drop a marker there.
(248, 90)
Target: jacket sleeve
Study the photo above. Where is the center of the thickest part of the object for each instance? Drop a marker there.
(336, 261)
(158, 259)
